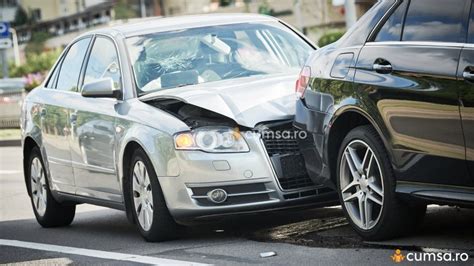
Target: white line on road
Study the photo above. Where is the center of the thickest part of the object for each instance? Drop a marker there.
(95, 253)
(9, 172)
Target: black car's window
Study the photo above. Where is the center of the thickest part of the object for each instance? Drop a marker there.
(471, 25)
(71, 66)
(392, 29)
(103, 62)
(435, 20)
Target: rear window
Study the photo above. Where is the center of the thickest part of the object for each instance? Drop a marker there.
(392, 29)
(436, 21)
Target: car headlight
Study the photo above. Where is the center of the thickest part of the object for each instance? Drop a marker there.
(211, 139)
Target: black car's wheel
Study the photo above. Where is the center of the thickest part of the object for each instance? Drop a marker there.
(148, 204)
(48, 212)
(366, 187)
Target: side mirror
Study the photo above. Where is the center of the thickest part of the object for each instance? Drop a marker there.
(100, 88)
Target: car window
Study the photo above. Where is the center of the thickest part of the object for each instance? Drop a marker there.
(471, 25)
(103, 62)
(392, 29)
(54, 76)
(435, 20)
(71, 66)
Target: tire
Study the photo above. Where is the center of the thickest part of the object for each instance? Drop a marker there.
(149, 209)
(369, 184)
(48, 212)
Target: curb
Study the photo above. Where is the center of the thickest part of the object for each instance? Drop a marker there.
(10, 143)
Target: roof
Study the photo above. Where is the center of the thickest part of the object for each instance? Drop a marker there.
(175, 23)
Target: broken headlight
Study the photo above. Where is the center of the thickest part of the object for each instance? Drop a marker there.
(211, 139)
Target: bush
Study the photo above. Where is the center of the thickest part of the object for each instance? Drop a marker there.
(35, 68)
(36, 44)
(329, 38)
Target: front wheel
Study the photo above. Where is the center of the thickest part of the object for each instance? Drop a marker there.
(48, 212)
(366, 186)
(148, 204)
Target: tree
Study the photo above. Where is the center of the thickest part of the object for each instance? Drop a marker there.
(21, 17)
(123, 11)
(36, 44)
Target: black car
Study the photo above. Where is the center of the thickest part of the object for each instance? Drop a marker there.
(391, 109)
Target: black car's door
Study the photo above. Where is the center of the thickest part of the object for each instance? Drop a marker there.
(466, 77)
(408, 69)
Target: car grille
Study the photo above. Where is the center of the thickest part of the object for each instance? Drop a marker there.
(286, 158)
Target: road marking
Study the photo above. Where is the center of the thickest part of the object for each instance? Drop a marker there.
(9, 172)
(95, 253)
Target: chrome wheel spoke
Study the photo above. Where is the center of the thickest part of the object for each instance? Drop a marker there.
(38, 186)
(367, 212)
(141, 216)
(137, 175)
(374, 199)
(352, 167)
(361, 210)
(142, 195)
(355, 160)
(352, 197)
(351, 185)
(375, 188)
(361, 184)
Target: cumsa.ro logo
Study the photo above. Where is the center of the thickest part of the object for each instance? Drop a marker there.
(398, 256)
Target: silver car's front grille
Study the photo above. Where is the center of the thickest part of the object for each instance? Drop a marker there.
(286, 158)
(236, 194)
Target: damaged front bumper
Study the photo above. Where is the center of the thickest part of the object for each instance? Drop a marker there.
(270, 176)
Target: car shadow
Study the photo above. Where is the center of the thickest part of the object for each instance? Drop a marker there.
(106, 229)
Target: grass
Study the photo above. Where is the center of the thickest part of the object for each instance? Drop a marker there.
(9, 134)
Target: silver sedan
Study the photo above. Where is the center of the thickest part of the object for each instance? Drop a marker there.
(172, 120)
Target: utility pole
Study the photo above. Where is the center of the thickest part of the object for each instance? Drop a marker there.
(16, 49)
(142, 8)
(4, 63)
(299, 15)
(351, 16)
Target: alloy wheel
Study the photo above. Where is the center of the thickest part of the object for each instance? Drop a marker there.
(38, 186)
(361, 184)
(142, 195)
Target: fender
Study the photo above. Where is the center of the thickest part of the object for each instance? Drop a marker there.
(360, 109)
(153, 142)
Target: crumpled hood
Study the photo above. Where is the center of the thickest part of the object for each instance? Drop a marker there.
(248, 101)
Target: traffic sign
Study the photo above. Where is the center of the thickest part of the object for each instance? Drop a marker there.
(5, 43)
(4, 29)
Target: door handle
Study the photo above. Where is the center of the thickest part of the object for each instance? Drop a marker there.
(385, 68)
(468, 74)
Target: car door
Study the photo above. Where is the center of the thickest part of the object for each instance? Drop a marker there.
(409, 70)
(466, 77)
(93, 127)
(56, 129)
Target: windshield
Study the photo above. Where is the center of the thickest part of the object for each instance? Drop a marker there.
(192, 56)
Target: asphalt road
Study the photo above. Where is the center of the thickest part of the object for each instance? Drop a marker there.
(310, 237)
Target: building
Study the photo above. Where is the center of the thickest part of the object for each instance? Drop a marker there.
(40, 11)
(8, 10)
(58, 17)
